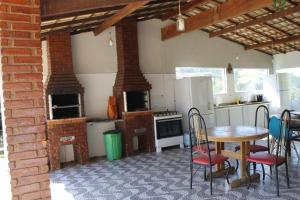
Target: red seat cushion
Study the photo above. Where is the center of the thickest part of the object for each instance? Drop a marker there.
(203, 148)
(204, 159)
(254, 148)
(266, 158)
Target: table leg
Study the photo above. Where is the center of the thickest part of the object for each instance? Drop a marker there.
(220, 168)
(244, 178)
(244, 153)
(219, 147)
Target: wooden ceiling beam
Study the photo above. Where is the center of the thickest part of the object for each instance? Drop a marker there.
(144, 11)
(257, 21)
(187, 7)
(222, 12)
(127, 10)
(273, 42)
(56, 7)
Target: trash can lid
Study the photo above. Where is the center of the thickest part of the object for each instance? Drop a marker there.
(111, 132)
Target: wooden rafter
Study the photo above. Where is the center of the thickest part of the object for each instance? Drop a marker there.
(144, 11)
(57, 7)
(127, 10)
(222, 12)
(249, 28)
(274, 42)
(257, 21)
(187, 7)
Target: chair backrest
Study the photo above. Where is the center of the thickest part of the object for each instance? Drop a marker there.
(193, 110)
(284, 133)
(265, 109)
(266, 120)
(274, 127)
(197, 126)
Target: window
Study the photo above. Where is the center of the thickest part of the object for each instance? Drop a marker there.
(218, 76)
(249, 80)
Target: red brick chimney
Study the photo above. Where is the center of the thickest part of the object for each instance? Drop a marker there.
(61, 77)
(129, 76)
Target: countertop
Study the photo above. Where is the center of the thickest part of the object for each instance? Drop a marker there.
(241, 104)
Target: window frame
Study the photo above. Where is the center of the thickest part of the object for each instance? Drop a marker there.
(224, 72)
(245, 68)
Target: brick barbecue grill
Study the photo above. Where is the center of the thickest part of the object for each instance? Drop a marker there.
(132, 91)
(64, 99)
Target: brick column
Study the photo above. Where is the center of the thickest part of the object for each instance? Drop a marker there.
(22, 97)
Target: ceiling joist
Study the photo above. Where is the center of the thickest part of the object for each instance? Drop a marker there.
(127, 10)
(63, 7)
(187, 7)
(260, 20)
(274, 42)
(222, 12)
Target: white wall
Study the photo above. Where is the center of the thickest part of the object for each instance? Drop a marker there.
(95, 62)
(193, 49)
(288, 60)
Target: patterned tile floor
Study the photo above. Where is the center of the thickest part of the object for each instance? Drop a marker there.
(158, 176)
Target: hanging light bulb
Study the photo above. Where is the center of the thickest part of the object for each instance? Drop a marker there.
(180, 24)
(110, 41)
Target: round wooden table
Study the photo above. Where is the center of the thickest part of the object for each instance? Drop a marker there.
(243, 135)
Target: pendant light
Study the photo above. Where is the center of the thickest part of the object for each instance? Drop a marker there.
(110, 41)
(180, 24)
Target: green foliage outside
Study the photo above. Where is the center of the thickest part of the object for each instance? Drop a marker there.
(218, 76)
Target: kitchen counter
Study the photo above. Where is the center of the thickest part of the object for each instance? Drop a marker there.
(241, 104)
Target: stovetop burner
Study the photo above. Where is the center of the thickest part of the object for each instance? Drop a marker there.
(165, 113)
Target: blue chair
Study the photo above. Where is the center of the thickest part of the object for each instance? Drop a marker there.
(274, 128)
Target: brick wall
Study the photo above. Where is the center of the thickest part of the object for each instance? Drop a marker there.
(22, 97)
(138, 124)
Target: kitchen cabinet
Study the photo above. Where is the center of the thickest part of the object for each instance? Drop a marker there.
(222, 117)
(209, 120)
(261, 120)
(95, 137)
(236, 116)
(239, 115)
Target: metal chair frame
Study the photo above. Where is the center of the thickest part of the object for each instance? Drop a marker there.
(267, 117)
(192, 119)
(278, 152)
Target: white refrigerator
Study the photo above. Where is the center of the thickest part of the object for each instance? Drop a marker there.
(195, 92)
(277, 91)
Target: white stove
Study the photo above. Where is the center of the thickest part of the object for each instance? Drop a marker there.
(168, 129)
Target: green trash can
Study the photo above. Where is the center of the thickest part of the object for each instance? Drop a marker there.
(113, 144)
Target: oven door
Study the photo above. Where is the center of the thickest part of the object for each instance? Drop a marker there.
(166, 128)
